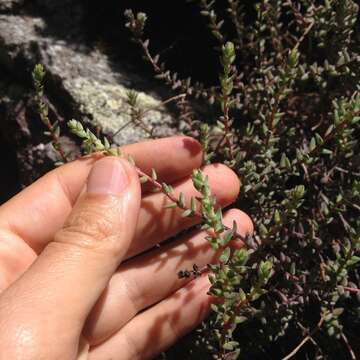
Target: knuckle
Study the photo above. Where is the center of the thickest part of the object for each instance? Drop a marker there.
(86, 240)
(91, 222)
(88, 229)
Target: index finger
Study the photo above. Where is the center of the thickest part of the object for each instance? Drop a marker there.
(37, 212)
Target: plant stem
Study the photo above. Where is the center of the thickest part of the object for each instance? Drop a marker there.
(306, 339)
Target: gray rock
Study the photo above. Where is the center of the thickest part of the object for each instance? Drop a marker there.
(82, 82)
(95, 90)
(7, 5)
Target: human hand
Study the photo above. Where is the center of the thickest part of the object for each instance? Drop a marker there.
(65, 294)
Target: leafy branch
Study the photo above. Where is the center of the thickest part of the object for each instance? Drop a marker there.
(38, 76)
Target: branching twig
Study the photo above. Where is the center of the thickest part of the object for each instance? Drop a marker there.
(43, 110)
(348, 346)
(306, 339)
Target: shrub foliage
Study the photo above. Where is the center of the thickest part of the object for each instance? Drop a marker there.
(287, 109)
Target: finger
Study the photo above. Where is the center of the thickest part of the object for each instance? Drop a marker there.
(157, 223)
(15, 258)
(165, 155)
(73, 270)
(42, 208)
(146, 280)
(159, 327)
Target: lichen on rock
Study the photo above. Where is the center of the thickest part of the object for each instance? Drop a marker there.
(106, 105)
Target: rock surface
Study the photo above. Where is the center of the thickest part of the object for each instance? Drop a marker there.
(81, 82)
(10, 5)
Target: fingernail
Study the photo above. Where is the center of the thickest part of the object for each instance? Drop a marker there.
(108, 176)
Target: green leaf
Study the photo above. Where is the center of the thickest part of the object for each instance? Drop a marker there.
(228, 236)
(225, 256)
(293, 57)
(106, 143)
(166, 188)
(242, 295)
(153, 174)
(265, 270)
(230, 345)
(312, 144)
(299, 191)
(181, 200)
(144, 179)
(354, 260)
(170, 206)
(256, 294)
(326, 151)
(215, 307)
(241, 256)
(187, 213)
(337, 312)
(263, 231)
(131, 160)
(277, 217)
(240, 319)
(193, 204)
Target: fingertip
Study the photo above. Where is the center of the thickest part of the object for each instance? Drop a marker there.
(173, 158)
(185, 149)
(224, 183)
(243, 221)
(131, 170)
(193, 147)
(111, 176)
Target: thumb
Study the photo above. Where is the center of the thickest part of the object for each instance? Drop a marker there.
(99, 230)
(65, 281)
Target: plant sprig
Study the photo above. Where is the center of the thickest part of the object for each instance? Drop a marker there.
(38, 76)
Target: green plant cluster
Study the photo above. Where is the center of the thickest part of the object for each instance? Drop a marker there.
(288, 114)
(287, 108)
